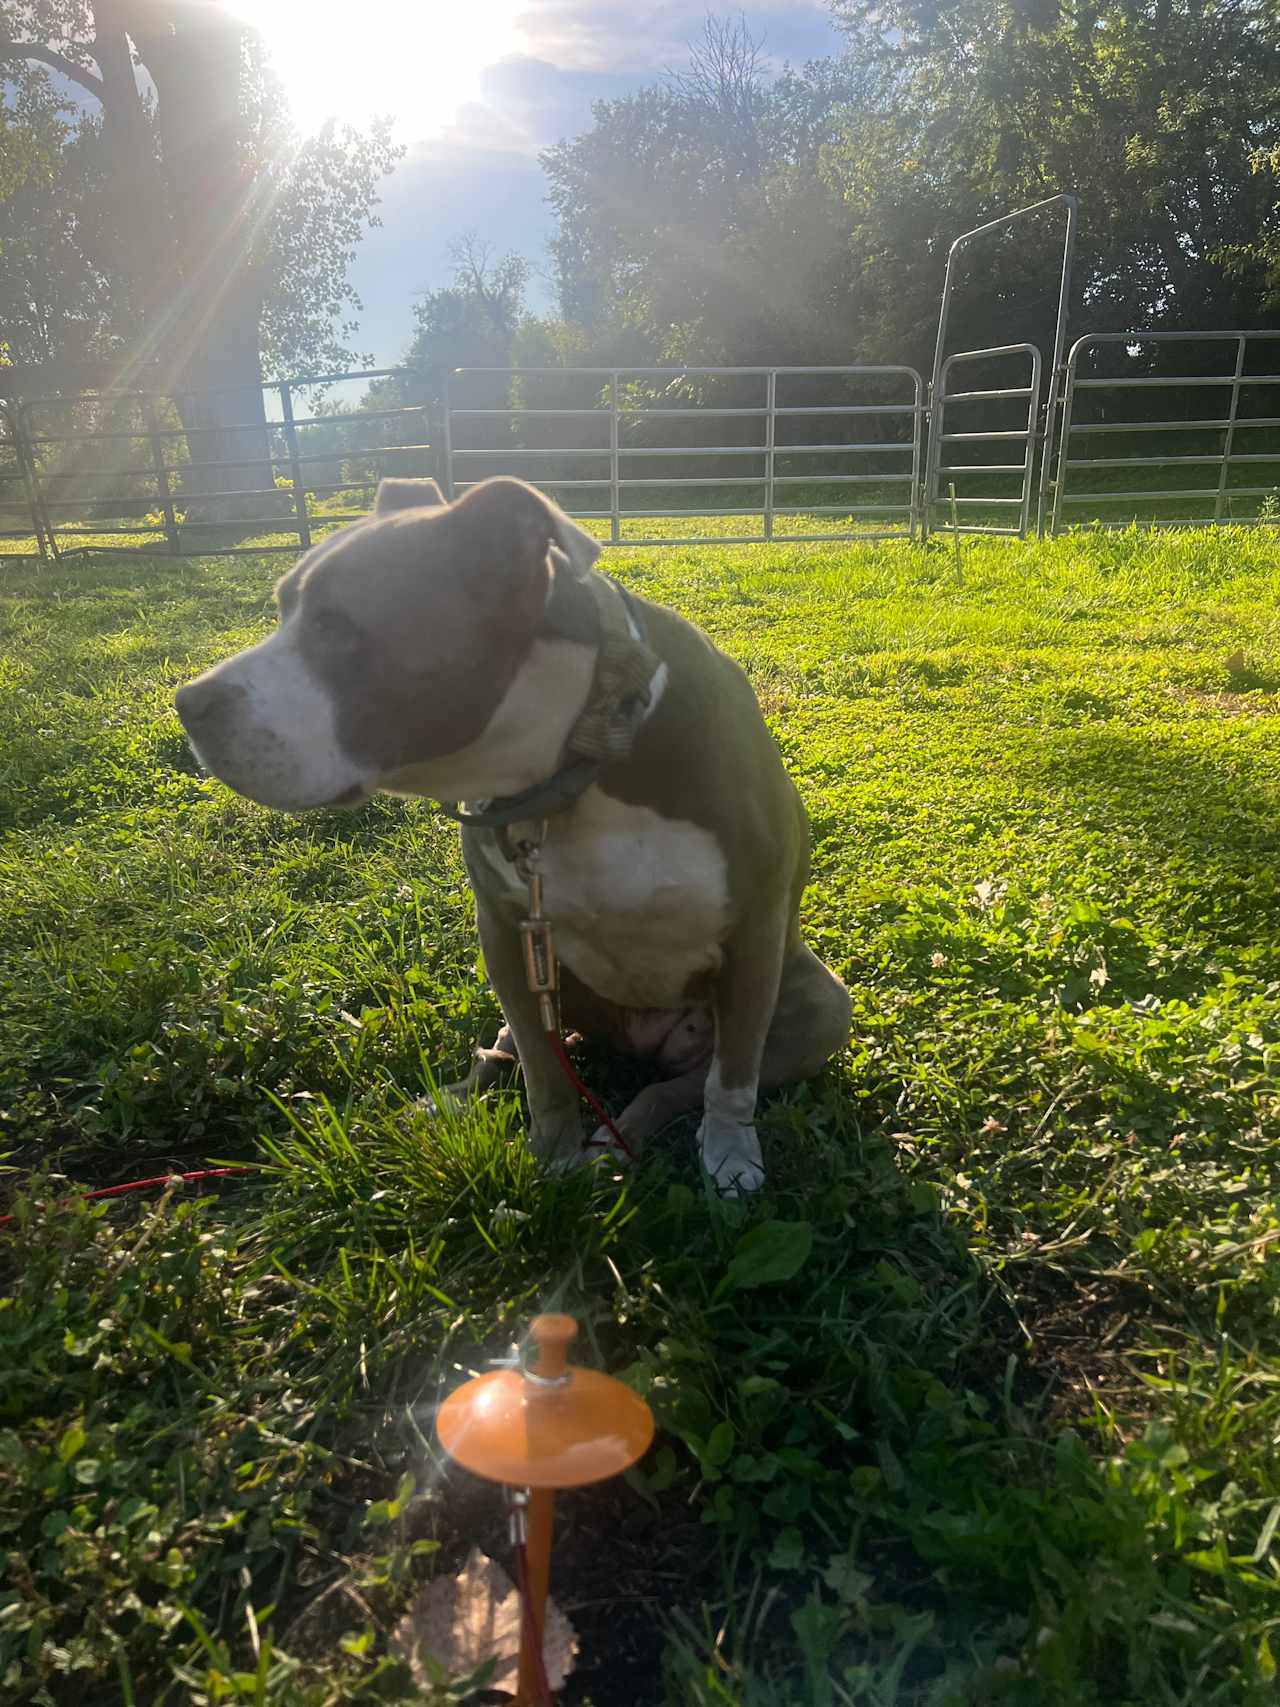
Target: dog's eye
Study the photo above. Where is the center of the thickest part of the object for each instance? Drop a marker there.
(333, 628)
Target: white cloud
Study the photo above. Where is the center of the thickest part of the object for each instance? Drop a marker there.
(477, 169)
(606, 35)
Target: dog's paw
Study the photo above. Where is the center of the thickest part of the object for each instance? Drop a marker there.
(731, 1156)
(602, 1145)
(557, 1146)
(446, 1099)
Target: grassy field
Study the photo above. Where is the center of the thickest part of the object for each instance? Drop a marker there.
(980, 1402)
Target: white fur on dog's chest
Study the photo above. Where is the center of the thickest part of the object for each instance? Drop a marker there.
(638, 903)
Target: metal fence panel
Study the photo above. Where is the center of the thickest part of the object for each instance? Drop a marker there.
(798, 453)
(776, 425)
(1023, 436)
(129, 476)
(21, 517)
(1106, 391)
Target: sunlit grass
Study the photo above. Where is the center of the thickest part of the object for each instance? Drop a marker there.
(978, 1402)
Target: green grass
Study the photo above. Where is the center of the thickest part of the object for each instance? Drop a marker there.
(979, 1403)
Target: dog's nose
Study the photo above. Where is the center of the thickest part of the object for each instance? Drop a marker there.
(203, 701)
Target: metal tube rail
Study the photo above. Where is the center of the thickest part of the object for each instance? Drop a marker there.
(938, 436)
(504, 451)
(1071, 207)
(1227, 426)
(611, 404)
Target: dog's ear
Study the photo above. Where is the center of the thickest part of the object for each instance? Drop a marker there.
(572, 547)
(399, 494)
(522, 516)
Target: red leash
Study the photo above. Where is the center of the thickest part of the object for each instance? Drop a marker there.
(161, 1180)
(593, 1102)
(533, 1636)
(147, 1185)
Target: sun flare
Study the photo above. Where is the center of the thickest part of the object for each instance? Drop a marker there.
(414, 61)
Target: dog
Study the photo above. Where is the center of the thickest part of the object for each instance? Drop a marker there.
(471, 652)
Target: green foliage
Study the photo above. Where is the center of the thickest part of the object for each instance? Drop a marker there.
(1153, 114)
(723, 217)
(977, 1403)
(694, 222)
(317, 196)
(53, 295)
(478, 320)
(93, 211)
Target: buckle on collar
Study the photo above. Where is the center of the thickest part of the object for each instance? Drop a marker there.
(556, 794)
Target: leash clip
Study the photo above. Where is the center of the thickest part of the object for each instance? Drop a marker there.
(536, 941)
(518, 1515)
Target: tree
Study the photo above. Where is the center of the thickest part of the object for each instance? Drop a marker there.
(478, 319)
(218, 232)
(54, 301)
(693, 219)
(474, 321)
(1154, 111)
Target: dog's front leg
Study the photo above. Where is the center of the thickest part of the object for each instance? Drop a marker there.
(746, 995)
(555, 1118)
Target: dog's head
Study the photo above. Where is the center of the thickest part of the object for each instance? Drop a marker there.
(408, 655)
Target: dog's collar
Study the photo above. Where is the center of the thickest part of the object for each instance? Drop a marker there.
(606, 727)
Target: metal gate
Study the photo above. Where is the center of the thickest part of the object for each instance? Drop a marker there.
(618, 435)
(1148, 471)
(1037, 435)
(964, 444)
(868, 466)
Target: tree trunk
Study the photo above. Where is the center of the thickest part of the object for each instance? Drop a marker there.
(206, 329)
(180, 229)
(220, 404)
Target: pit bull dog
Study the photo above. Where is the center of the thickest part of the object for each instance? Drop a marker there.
(469, 652)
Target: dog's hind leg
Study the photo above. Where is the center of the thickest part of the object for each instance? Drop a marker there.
(810, 1023)
(656, 1106)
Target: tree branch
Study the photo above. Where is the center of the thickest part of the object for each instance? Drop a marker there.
(58, 62)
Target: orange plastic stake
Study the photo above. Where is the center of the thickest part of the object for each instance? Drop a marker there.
(552, 1426)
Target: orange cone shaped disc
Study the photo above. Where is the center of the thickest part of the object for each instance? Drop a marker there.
(556, 1426)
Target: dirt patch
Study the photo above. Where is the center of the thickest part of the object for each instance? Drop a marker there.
(618, 1567)
(1224, 703)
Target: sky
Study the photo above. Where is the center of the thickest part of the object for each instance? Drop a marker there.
(475, 88)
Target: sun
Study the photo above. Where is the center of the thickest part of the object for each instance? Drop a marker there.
(414, 61)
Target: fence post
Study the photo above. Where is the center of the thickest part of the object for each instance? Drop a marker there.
(917, 441)
(446, 437)
(1064, 435)
(295, 465)
(1028, 478)
(162, 474)
(1059, 349)
(1231, 430)
(770, 447)
(937, 412)
(40, 524)
(615, 497)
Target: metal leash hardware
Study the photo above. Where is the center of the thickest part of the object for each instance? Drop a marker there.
(517, 1503)
(535, 934)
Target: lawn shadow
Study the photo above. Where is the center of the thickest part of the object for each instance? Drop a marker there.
(1164, 788)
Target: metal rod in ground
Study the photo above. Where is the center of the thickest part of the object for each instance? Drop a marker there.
(955, 521)
(531, 1685)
